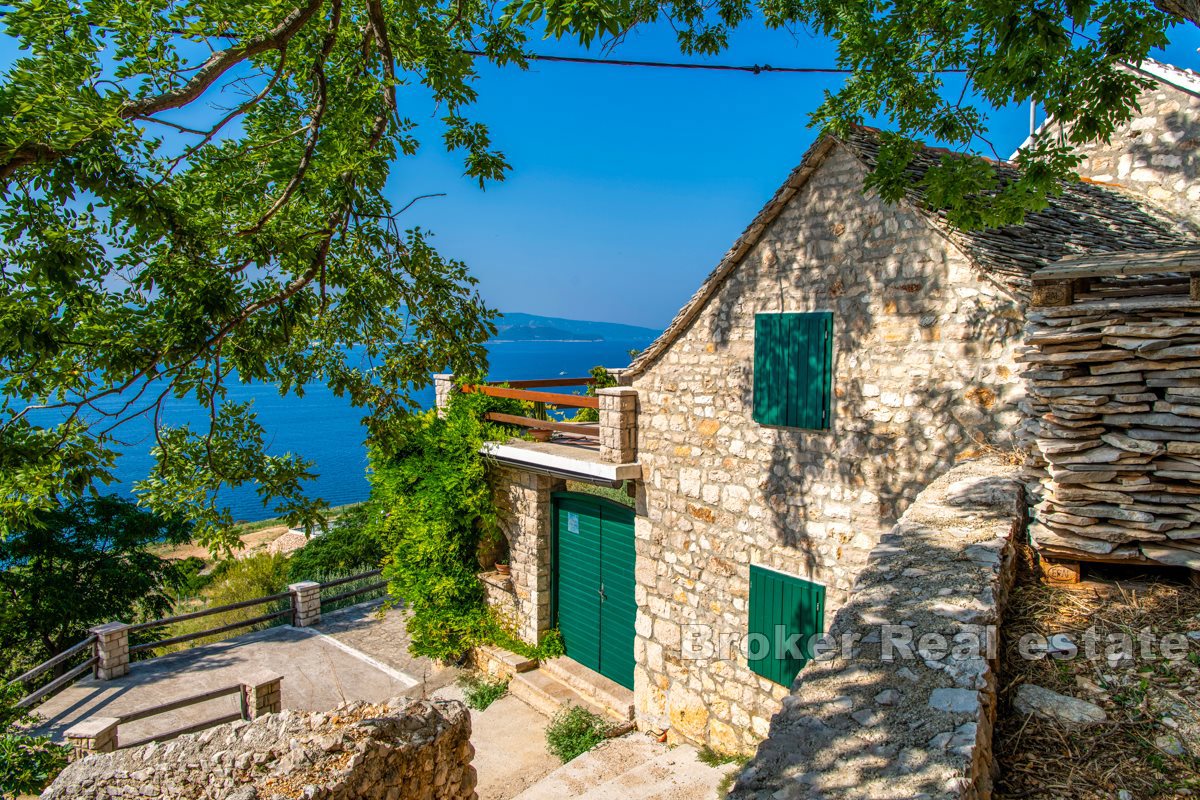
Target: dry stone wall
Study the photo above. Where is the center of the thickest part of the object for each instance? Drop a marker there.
(402, 750)
(924, 375)
(1113, 427)
(904, 707)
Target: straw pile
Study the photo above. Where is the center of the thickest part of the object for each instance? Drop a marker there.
(1113, 425)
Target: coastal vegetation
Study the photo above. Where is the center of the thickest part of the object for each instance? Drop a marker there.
(429, 481)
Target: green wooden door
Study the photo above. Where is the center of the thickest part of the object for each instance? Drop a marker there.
(593, 586)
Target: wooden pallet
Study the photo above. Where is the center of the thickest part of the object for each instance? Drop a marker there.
(1064, 567)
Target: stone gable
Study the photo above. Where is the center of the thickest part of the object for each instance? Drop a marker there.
(923, 376)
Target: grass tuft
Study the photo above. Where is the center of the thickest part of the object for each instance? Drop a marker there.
(573, 731)
(481, 692)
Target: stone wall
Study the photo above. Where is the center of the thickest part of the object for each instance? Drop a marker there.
(416, 750)
(859, 725)
(924, 374)
(523, 503)
(1157, 153)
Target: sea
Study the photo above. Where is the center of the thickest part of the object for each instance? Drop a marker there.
(326, 430)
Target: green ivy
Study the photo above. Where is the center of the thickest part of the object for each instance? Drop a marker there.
(429, 480)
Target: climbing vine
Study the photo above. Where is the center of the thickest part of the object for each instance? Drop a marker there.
(429, 479)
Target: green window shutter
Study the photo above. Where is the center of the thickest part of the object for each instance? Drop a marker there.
(793, 369)
(781, 607)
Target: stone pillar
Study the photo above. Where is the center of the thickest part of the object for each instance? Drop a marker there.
(306, 603)
(112, 650)
(443, 385)
(95, 735)
(524, 507)
(261, 695)
(618, 424)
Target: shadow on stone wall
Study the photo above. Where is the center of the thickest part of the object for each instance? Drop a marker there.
(889, 451)
(859, 726)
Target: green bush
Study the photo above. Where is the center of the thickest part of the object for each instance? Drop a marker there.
(481, 692)
(573, 731)
(430, 483)
(349, 547)
(604, 379)
(27, 763)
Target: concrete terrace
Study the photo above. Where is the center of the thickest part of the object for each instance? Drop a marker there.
(353, 654)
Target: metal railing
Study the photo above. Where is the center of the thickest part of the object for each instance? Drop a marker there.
(354, 592)
(175, 705)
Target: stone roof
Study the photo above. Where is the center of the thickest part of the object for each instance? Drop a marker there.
(1086, 218)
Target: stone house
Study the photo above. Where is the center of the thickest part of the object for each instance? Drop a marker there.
(843, 354)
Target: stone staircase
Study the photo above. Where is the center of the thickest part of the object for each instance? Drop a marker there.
(632, 766)
(560, 682)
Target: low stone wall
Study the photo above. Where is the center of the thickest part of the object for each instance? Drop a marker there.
(416, 750)
(906, 709)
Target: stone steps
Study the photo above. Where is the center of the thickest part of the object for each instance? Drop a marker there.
(561, 682)
(631, 766)
(592, 686)
(547, 694)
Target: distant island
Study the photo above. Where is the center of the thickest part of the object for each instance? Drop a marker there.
(519, 327)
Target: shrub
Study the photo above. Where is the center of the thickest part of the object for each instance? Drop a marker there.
(718, 758)
(430, 481)
(27, 763)
(347, 548)
(481, 692)
(573, 731)
(604, 380)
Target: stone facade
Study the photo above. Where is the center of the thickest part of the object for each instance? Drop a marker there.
(924, 375)
(1157, 153)
(523, 503)
(903, 702)
(416, 750)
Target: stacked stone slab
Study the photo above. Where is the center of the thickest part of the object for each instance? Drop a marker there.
(1113, 428)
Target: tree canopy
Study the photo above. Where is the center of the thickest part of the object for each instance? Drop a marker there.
(81, 565)
(194, 193)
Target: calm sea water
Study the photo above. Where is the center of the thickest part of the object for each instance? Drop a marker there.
(326, 430)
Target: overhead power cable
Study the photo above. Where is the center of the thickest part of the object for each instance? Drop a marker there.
(755, 69)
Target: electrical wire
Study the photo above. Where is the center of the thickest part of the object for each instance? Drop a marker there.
(755, 69)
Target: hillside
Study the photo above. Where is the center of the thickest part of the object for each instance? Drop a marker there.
(527, 327)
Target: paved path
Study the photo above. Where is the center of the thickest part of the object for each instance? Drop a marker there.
(510, 745)
(354, 654)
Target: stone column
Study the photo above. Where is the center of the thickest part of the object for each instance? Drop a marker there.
(112, 650)
(261, 695)
(95, 735)
(618, 424)
(443, 385)
(306, 603)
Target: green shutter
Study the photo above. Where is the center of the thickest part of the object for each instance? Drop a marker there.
(782, 606)
(793, 369)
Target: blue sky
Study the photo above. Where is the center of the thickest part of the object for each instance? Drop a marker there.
(628, 184)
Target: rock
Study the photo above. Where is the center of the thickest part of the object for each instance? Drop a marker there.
(955, 701)
(1170, 745)
(888, 697)
(1044, 703)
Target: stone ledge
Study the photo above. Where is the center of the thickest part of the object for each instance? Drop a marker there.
(857, 726)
